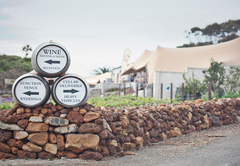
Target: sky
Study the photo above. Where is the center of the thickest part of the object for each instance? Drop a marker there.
(96, 32)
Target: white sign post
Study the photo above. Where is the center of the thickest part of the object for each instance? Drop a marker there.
(70, 91)
(50, 59)
(31, 90)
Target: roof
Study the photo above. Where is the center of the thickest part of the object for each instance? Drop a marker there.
(93, 80)
(178, 59)
(140, 63)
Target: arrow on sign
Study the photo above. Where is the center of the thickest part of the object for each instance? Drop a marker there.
(51, 62)
(70, 91)
(29, 93)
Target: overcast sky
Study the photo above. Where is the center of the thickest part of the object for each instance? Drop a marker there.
(96, 32)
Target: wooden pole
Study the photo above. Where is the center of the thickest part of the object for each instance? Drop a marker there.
(152, 90)
(143, 91)
(194, 91)
(171, 92)
(137, 90)
(119, 92)
(161, 90)
(124, 89)
(182, 92)
(209, 91)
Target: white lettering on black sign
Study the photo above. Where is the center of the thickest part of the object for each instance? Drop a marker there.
(30, 91)
(51, 59)
(70, 91)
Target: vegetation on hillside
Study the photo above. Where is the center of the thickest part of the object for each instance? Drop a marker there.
(213, 33)
(12, 66)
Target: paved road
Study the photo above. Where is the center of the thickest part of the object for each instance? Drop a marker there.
(218, 146)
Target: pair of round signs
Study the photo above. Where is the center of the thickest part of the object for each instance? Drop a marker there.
(50, 60)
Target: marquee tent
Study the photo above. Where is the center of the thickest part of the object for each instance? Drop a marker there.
(140, 63)
(178, 59)
(92, 81)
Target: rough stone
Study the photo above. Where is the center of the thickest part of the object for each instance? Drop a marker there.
(70, 155)
(20, 111)
(52, 138)
(175, 132)
(90, 128)
(103, 134)
(38, 138)
(139, 140)
(7, 156)
(44, 111)
(63, 116)
(60, 142)
(106, 125)
(6, 126)
(51, 148)
(163, 136)
(89, 116)
(45, 155)
(216, 121)
(20, 134)
(66, 129)
(35, 119)
(15, 143)
(14, 150)
(79, 142)
(83, 111)
(75, 117)
(113, 143)
(76, 109)
(5, 135)
(90, 155)
(56, 121)
(36, 127)
(30, 147)
(24, 154)
(22, 123)
(5, 148)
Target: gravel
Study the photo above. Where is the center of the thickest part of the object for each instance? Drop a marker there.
(215, 146)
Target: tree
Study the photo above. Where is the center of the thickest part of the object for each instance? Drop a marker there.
(101, 70)
(26, 49)
(213, 33)
(188, 85)
(215, 74)
(232, 80)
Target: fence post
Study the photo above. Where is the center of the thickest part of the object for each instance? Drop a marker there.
(124, 90)
(182, 92)
(171, 92)
(161, 90)
(130, 89)
(152, 91)
(194, 91)
(143, 91)
(119, 92)
(209, 91)
(136, 90)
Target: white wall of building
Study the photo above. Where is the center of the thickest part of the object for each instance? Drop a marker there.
(176, 78)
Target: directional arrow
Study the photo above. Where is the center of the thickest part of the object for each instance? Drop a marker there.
(29, 93)
(70, 91)
(51, 62)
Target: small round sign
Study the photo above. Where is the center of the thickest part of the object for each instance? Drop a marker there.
(70, 91)
(50, 59)
(30, 90)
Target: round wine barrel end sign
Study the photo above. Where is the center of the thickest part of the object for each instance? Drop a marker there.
(30, 90)
(50, 59)
(70, 91)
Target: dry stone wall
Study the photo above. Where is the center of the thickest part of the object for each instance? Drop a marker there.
(88, 132)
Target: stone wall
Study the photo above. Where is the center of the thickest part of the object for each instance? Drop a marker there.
(90, 132)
